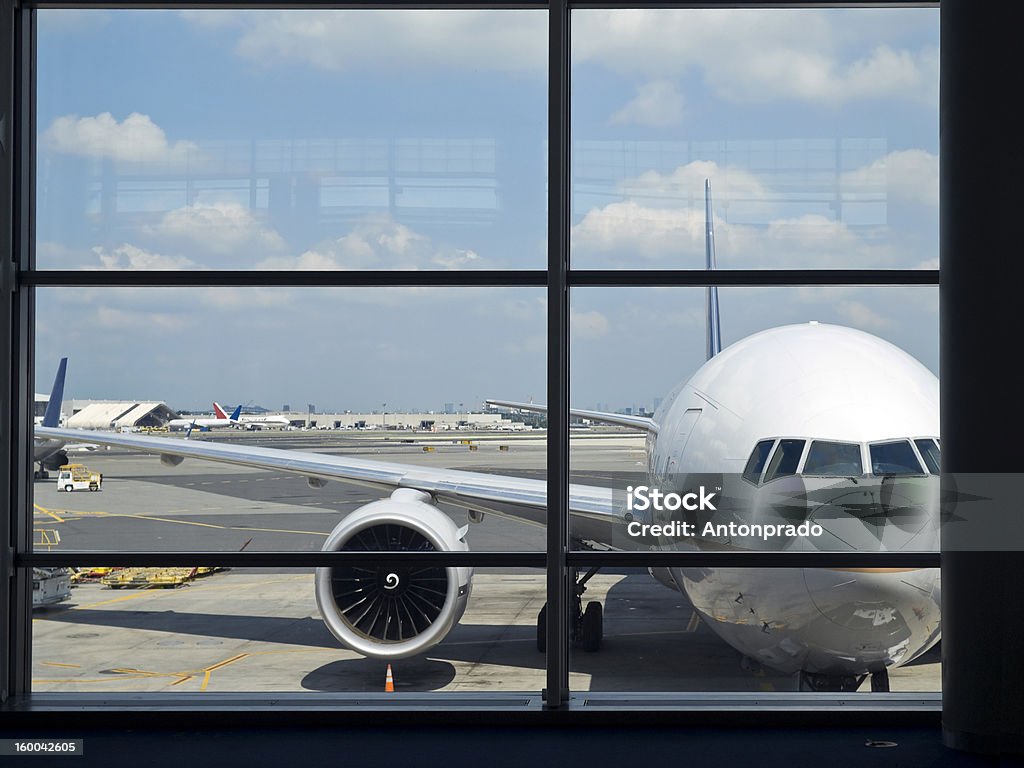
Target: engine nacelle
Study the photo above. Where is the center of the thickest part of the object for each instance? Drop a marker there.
(393, 612)
(56, 460)
(170, 460)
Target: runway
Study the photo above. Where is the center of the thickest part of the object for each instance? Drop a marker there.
(258, 629)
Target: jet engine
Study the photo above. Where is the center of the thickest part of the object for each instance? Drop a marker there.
(388, 611)
(56, 460)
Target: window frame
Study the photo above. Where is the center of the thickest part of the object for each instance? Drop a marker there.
(20, 278)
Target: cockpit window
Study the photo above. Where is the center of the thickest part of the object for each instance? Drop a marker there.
(785, 459)
(755, 463)
(929, 450)
(833, 459)
(896, 458)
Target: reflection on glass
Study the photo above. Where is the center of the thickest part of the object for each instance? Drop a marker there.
(818, 129)
(355, 140)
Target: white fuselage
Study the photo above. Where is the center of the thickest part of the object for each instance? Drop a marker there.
(805, 383)
(250, 422)
(206, 422)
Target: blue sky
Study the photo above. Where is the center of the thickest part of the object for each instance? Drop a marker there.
(353, 140)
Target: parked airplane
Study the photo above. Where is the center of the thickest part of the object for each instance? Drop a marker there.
(220, 419)
(50, 453)
(810, 423)
(256, 421)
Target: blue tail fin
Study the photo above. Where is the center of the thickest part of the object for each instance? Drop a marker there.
(236, 413)
(51, 418)
(714, 327)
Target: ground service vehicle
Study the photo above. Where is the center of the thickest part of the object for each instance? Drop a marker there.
(77, 477)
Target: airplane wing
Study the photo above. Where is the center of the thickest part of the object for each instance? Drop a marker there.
(637, 422)
(520, 498)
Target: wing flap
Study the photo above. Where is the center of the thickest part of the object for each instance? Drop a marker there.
(620, 419)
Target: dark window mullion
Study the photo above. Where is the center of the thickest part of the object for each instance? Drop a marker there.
(557, 641)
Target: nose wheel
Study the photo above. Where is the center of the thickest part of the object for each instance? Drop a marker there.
(586, 625)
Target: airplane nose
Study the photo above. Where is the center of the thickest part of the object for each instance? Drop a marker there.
(876, 617)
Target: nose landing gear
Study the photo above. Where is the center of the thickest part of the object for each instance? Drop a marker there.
(812, 681)
(586, 626)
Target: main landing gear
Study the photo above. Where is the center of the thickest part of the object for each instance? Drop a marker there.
(586, 626)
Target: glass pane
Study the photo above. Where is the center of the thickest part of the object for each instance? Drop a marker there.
(798, 366)
(931, 454)
(250, 630)
(292, 139)
(365, 386)
(894, 459)
(758, 630)
(817, 129)
(785, 459)
(755, 464)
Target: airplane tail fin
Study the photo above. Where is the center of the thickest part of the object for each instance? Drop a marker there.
(51, 418)
(218, 411)
(714, 327)
(236, 413)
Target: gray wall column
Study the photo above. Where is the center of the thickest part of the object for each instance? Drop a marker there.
(982, 282)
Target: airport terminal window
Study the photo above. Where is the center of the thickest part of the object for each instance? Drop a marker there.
(895, 458)
(755, 464)
(833, 459)
(785, 460)
(438, 162)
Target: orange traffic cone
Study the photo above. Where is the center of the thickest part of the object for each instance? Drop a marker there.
(389, 682)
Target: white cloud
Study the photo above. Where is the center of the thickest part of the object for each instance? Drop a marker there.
(588, 325)
(861, 316)
(502, 40)
(756, 55)
(646, 232)
(127, 256)
(113, 319)
(909, 176)
(136, 139)
(685, 185)
(657, 104)
(661, 220)
(220, 228)
(378, 242)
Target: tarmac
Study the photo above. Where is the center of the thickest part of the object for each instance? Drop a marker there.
(258, 629)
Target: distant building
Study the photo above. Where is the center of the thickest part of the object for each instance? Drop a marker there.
(117, 414)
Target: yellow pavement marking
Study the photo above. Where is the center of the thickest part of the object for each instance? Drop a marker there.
(280, 530)
(56, 664)
(190, 522)
(76, 681)
(145, 592)
(209, 670)
(49, 512)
